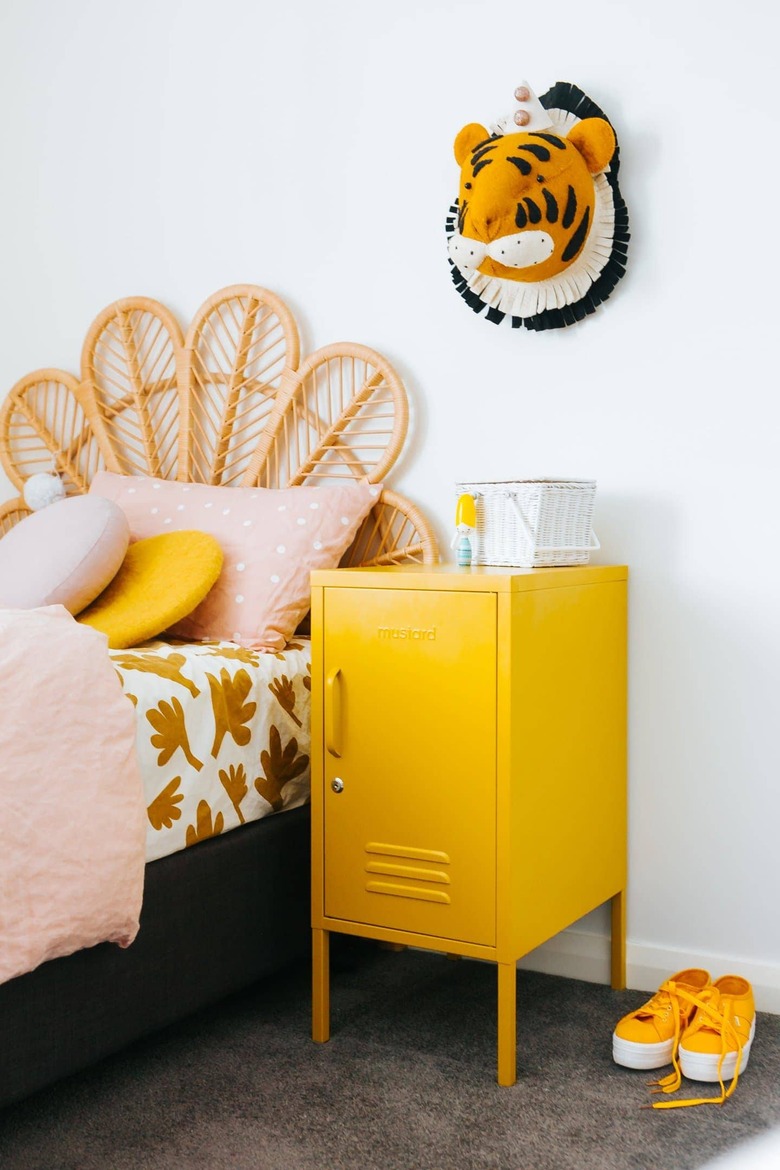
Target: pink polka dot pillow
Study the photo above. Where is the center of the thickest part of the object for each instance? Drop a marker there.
(271, 540)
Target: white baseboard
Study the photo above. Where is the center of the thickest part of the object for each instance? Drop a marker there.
(579, 954)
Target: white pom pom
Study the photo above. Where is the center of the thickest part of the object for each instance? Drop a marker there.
(43, 489)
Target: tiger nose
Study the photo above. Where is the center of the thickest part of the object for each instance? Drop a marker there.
(483, 215)
(491, 228)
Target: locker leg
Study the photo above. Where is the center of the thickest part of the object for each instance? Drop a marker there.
(618, 950)
(507, 1023)
(320, 1000)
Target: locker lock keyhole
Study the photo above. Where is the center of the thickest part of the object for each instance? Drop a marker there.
(337, 785)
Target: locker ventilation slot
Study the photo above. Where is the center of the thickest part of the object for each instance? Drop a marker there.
(393, 867)
(408, 871)
(408, 852)
(419, 893)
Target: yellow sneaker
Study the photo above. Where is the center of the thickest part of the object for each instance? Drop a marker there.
(648, 1037)
(716, 1044)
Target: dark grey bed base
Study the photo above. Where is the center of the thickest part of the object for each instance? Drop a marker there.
(215, 918)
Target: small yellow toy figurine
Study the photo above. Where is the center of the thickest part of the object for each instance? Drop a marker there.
(465, 526)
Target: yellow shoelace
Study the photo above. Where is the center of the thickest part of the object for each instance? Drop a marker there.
(659, 1005)
(707, 1003)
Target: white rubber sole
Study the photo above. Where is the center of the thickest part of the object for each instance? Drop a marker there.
(630, 1054)
(703, 1066)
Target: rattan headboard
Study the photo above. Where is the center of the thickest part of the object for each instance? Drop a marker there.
(229, 403)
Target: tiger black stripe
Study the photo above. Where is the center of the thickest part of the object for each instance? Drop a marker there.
(521, 219)
(522, 164)
(578, 239)
(462, 216)
(540, 152)
(552, 205)
(485, 142)
(477, 154)
(485, 163)
(534, 214)
(570, 210)
(551, 138)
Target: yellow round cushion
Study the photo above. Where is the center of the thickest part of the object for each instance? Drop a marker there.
(162, 579)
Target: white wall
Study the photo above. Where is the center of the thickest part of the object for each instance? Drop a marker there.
(172, 148)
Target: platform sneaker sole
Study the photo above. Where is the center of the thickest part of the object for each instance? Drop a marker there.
(703, 1066)
(631, 1054)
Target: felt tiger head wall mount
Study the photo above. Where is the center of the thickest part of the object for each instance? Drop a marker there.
(539, 233)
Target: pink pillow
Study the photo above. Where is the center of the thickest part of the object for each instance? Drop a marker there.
(65, 554)
(271, 541)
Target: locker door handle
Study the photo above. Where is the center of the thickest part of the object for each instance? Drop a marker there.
(333, 712)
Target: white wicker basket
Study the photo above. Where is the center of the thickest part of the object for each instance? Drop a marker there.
(531, 522)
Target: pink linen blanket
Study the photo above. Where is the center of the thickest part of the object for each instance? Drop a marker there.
(72, 814)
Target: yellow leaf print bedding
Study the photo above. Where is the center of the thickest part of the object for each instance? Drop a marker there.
(222, 735)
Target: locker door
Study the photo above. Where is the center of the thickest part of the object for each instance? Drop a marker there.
(410, 760)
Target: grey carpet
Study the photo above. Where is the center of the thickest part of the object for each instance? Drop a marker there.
(407, 1082)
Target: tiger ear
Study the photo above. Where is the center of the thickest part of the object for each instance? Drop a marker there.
(467, 139)
(595, 139)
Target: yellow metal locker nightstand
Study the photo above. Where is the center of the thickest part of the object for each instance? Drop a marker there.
(468, 763)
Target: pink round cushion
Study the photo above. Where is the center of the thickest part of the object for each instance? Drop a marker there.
(65, 554)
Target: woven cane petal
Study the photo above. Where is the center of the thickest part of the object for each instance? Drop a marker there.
(394, 532)
(11, 513)
(43, 427)
(240, 345)
(343, 416)
(130, 365)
